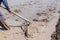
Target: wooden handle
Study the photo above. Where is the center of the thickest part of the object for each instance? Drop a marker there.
(20, 16)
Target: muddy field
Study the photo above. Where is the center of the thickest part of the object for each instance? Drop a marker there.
(43, 15)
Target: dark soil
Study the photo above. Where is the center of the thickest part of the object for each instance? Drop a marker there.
(56, 35)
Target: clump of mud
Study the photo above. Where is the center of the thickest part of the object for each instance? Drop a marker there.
(58, 29)
(56, 34)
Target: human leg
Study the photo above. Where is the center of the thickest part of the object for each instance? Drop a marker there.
(2, 22)
(5, 3)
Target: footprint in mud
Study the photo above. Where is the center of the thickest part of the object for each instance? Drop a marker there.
(17, 10)
(59, 11)
(42, 13)
(16, 20)
(38, 14)
(35, 20)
